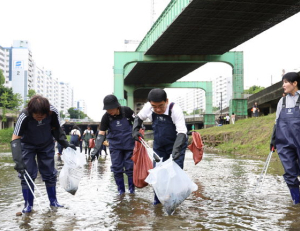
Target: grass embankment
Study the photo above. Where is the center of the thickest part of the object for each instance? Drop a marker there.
(5, 138)
(247, 137)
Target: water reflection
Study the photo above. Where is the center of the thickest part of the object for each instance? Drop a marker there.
(224, 200)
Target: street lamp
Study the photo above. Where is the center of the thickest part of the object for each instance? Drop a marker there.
(221, 102)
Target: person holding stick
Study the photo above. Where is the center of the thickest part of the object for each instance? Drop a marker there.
(285, 137)
(170, 132)
(32, 139)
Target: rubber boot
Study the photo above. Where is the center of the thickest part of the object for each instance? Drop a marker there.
(52, 197)
(28, 198)
(121, 185)
(156, 200)
(131, 185)
(295, 193)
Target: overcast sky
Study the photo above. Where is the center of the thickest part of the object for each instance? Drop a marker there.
(76, 40)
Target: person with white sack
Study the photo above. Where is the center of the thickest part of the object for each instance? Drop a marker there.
(170, 132)
(32, 139)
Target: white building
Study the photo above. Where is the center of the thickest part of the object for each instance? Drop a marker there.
(65, 97)
(46, 85)
(5, 64)
(194, 99)
(81, 105)
(22, 72)
(222, 88)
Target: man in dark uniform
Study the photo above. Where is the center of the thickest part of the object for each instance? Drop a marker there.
(118, 121)
(168, 125)
(33, 137)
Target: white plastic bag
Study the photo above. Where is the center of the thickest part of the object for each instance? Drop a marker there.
(72, 170)
(171, 184)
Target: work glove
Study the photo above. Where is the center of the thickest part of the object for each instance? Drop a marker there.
(61, 138)
(273, 138)
(17, 156)
(189, 133)
(98, 143)
(177, 147)
(137, 124)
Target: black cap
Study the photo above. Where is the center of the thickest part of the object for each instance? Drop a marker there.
(157, 95)
(110, 102)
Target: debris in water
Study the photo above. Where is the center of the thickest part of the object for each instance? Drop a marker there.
(19, 214)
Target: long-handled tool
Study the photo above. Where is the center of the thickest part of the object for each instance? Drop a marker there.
(155, 156)
(263, 172)
(34, 185)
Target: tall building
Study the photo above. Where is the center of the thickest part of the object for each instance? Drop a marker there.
(22, 72)
(46, 85)
(81, 105)
(222, 91)
(5, 64)
(65, 96)
(194, 99)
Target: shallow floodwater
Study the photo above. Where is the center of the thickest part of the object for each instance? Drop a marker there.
(224, 200)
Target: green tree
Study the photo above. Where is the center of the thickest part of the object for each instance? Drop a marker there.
(254, 89)
(13, 99)
(30, 94)
(5, 104)
(216, 109)
(17, 101)
(2, 78)
(62, 114)
(76, 114)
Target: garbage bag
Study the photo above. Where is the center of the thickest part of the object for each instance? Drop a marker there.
(91, 143)
(171, 184)
(72, 171)
(196, 147)
(141, 164)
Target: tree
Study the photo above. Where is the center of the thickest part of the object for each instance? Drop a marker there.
(216, 109)
(62, 114)
(17, 101)
(2, 78)
(254, 89)
(30, 94)
(13, 99)
(5, 104)
(76, 114)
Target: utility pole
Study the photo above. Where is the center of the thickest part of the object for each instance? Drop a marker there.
(220, 103)
(152, 13)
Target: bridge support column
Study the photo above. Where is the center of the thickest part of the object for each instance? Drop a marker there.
(238, 107)
(209, 120)
(130, 97)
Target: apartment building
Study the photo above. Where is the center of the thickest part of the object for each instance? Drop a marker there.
(65, 96)
(5, 64)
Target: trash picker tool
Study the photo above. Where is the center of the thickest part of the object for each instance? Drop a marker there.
(41, 195)
(32, 192)
(263, 172)
(155, 156)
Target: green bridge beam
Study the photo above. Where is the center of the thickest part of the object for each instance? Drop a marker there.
(171, 12)
(125, 61)
(204, 85)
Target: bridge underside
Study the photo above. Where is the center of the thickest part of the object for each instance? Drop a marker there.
(207, 27)
(156, 73)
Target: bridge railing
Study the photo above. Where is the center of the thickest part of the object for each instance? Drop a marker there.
(162, 23)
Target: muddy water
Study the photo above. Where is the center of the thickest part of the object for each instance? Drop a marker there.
(224, 200)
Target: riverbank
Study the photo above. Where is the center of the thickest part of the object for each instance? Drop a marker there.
(248, 137)
(5, 138)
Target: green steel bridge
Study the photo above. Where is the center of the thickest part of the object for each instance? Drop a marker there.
(189, 34)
